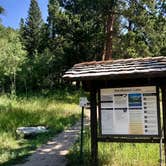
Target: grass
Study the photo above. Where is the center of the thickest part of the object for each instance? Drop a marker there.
(56, 111)
(116, 154)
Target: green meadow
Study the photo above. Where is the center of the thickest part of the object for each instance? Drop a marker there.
(56, 111)
(116, 154)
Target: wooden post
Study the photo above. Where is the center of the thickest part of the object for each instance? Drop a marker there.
(93, 118)
(82, 129)
(163, 88)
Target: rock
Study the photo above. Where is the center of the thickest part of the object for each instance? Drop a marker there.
(31, 131)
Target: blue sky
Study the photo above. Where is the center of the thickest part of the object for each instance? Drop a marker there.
(17, 9)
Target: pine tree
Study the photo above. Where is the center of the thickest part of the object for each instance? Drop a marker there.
(98, 18)
(32, 29)
(143, 27)
(129, 28)
(1, 9)
(53, 11)
(22, 30)
(1, 12)
(87, 30)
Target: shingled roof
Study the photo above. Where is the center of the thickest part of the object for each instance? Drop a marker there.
(123, 68)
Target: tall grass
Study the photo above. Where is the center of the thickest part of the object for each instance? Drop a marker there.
(56, 111)
(116, 154)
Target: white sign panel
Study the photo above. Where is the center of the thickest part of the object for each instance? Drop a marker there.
(83, 101)
(130, 111)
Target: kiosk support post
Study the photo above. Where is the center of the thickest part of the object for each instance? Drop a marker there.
(93, 118)
(82, 128)
(163, 88)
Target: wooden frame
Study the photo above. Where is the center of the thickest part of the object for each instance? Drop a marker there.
(163, 90)
(95, 138)
(93, 124)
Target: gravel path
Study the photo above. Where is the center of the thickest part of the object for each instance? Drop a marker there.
(53, 153)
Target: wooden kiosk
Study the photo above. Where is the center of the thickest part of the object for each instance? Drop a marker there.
(125, 100)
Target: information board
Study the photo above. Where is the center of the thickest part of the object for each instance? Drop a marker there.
(83, 101)
(129, 111)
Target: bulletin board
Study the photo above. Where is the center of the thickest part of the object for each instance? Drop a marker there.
(129, 111)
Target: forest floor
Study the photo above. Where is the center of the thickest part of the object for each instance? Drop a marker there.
(53, 153)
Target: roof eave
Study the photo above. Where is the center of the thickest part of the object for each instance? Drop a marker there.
(161, 74)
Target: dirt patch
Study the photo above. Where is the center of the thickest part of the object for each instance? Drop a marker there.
(53, 153)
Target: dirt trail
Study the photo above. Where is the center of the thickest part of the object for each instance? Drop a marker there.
(53, 153)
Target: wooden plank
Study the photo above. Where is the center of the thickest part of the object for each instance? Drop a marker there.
(124, 83)
(100, 84)
(116, 70)
(129, 140)
(119, 67)
(106, 76)
(99, 110)
(158, 112)
(93, 118)
(163, 88)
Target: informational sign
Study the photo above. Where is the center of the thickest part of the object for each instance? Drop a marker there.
(83, 101)
(129, 111)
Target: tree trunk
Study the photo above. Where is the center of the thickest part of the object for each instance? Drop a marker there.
(26, 89)
(13, 85)
(130, 26)
(78, 84)
(107, 54)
